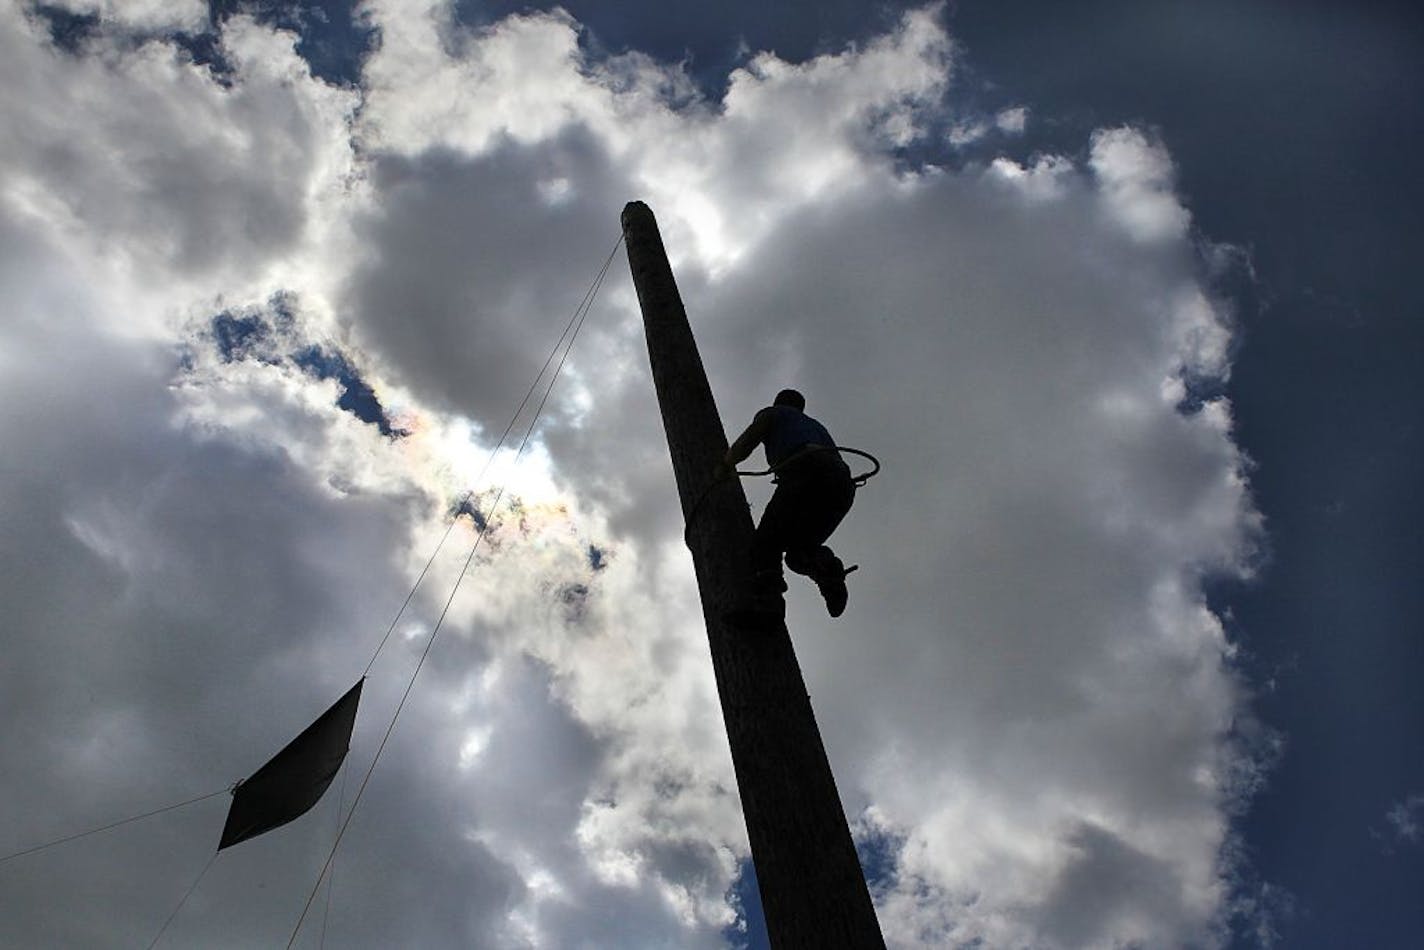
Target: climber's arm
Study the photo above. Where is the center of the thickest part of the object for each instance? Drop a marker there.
(750, 439)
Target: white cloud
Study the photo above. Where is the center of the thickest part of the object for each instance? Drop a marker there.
(1028, 693)
(146, 15)
(974, 129)
(1012, 121)
(1406, 819)
(1047, 178)
(141, 158)
(967, 132)
(1136, 177)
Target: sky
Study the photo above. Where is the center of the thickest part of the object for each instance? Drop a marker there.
(1122, 296)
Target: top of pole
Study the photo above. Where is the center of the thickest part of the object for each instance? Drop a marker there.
(635, 209)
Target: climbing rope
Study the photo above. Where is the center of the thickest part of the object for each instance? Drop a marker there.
(564, 343)
(576, 325)
(186, 894)
(571, 330)
(331, 877)
(114, 824)
(858, 481)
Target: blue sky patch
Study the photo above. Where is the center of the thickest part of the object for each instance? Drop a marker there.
(357, 396)
(597, 557)
(748, 932)
(67, 30)
(467, 506)
(331, 37)
(240, 336)
(269, 336)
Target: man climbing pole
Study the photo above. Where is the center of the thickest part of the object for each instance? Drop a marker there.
(814, 490)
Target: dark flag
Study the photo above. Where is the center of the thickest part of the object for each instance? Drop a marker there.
(294, 779)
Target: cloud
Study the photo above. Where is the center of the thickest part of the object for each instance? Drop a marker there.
(1136, 177)
(1404, 822)
(1034, 582)
(974, 129)
(1012, 121)
(142, 15)
(1028, 703)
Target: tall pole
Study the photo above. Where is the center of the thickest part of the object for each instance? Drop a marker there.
(812, 889)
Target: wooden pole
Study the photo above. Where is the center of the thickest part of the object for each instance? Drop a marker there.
(812, 888)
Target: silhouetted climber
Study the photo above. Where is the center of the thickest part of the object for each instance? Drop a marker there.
(814, 491)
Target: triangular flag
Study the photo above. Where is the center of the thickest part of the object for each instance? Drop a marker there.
(294, 779)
